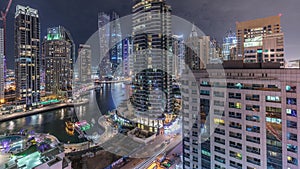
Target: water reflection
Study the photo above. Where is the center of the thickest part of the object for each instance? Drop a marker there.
(53, 122)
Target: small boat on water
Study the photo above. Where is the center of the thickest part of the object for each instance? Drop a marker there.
(69, 132)
(70, 128)
(70, 125)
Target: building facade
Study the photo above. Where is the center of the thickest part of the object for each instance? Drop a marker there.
(116, 45)
(127, 57)
(84, 63)
(253, 117)
(27, 55)
(104, 35)
(197, 51)
(153, 61)
(58, 56)
(179, 55)
(261, 40)
(229, 45)
(111, 44)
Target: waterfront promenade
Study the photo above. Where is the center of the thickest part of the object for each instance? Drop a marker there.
(12, 116)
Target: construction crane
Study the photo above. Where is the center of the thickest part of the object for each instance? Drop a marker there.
(3, 19)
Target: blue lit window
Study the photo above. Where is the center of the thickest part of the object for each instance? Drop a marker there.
(291, 112)
(291, 101)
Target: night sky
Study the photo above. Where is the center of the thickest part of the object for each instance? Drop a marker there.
(213, 17)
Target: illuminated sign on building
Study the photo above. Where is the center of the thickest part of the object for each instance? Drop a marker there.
(252, 42)
(54, 34)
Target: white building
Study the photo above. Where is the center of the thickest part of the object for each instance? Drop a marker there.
(251, 113)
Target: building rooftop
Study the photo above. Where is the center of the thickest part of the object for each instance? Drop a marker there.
(239, 64)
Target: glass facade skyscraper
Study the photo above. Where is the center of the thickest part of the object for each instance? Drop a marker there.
(115, 40)
(153, 62)
(111, 46)
(229, 45)
(27, 55)
(58, 53)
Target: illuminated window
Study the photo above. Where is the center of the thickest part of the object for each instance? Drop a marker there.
(292, 160)
(238, 105)
(291, 101)
(219, 121)
(291, 112)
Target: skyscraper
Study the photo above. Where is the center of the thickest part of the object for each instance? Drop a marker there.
(58, 55)
(115, 43)
(127, 56)
(2, 69)
(104, 35)
(252, 114)
(229, 43)
(153, 61)
(261, 40)
(111, 46)
(197, 52)
(179, 52)
(84, 63)
(27, 55)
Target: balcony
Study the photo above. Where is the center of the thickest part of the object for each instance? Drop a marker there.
(253, 150)
(253, 161)
(236, 126)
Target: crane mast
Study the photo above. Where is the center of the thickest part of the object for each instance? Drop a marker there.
(3, 18)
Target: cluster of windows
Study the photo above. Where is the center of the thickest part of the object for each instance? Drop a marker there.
(255, 108)
(270, 87)
(235, 145)
(236, 105)
(219, 140)
(219, 94)
(235, 135)
(219, 167)
(220, 159)
(205, 92)
(236, 164)
(253, 118)
(219, 150)
(253, 160)
(254, 129)
(252, 97)
(254, 150)
(235, 125)
(235, 95)
(271, 117)
(220, 131)
(219, 103)
(218, 121)
(236, 155)
(235, 115)
(219, 112)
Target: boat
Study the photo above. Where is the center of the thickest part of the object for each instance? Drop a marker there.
(70, 125)
(70, 128)
(69, 132)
